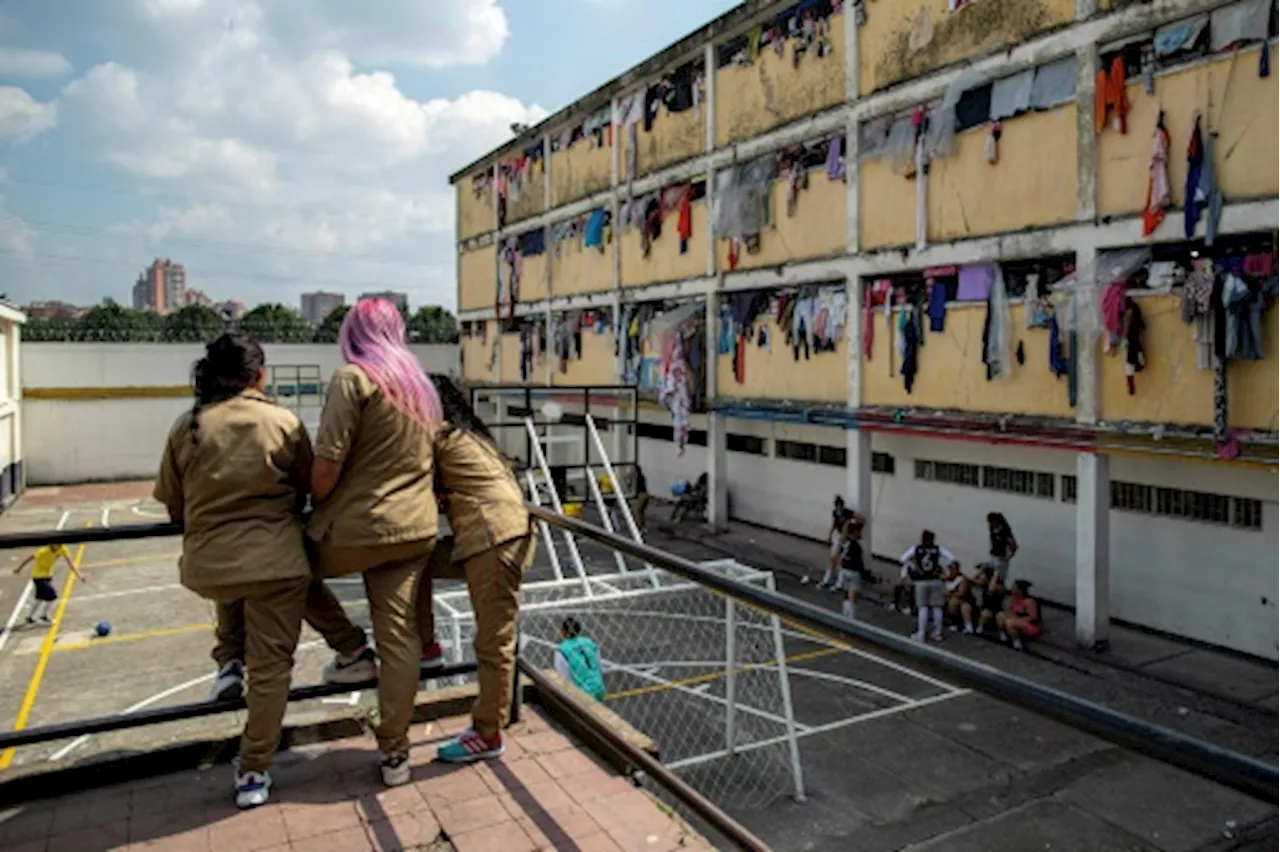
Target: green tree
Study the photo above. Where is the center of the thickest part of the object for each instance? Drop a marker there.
(274, 323)
(432, 324)
(37, 330)
(114, 323)
(192, 324)
(327, 330)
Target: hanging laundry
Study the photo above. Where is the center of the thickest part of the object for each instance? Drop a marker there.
(1113, 305)
(868, 323)
(997, 335)
(1057, 363)
(1134, 358)
(675, 394)
(1111, 96)
(1192, 200)
(1158, 194)
(937, 306)
(1209, 190)
(1055, 84)
(684, 220)
(802, 327)
(1012, 95)
(593, 234)
(910, 351)
(835, 157)
(1243, 305)
(992, 144)
(975, 282)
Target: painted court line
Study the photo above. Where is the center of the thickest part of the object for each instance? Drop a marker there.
(100, 596)
(22, 599)
(815, 673)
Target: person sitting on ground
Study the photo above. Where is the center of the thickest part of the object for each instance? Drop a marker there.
(493, 545)
(852, 567)
(924, 564)
(577, 659)
(904, 593)
(957, 589)
(234, 473)
(1022, 620)
(43, 562)
(988, 594)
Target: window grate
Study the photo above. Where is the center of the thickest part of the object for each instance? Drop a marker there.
(883, 463)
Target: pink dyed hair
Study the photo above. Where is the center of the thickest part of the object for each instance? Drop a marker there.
(372, 337)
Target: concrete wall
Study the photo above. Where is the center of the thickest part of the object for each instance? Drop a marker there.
(101, 411)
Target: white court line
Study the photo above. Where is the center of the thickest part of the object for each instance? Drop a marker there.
(609, 665)
(147, 702)
(795, 634)
(125, 593)
(818, 729)
(793, 666)
(22, 599)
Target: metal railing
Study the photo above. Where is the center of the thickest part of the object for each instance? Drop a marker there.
(1241, 772)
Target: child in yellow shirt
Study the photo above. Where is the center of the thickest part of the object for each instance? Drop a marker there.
(44, 559)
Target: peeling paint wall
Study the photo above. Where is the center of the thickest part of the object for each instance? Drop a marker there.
(576, 269)
(476, 212)
(886, 206)
(595, 367)
(665, 261)
(903, 39)
(816, 230)
(476, 353)
(772, 91)
(531, 200)
(1033, 183)
(1230, 96)
(774, 372)
(951, 372)
(477, 271)
(579, 170)
(675, 136)
(509, 361)
(533, 278)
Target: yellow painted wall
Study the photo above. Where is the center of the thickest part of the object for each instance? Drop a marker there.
(1033, 182)
(1171, 390)
(533, 278)
(753, 98)
(579, 170)
(475, 356)
(509, 360)
(951, 373)
(665, 262)
(1245, 113)
(595, 367)
(576, 269)
(774, 373)
(816, 230)
(674, 137)
(886, 206)
(475, 214)
(532, 200)
(885, 55)
(477, 270)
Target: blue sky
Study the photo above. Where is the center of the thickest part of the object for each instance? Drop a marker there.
(277, 146)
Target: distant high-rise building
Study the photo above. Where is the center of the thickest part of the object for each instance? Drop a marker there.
(161, 287)
(318, 305)
(400, 300)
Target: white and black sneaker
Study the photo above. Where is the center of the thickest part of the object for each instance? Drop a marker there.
(360, 667)
(395, 769)
(252, 789)
(230, 683)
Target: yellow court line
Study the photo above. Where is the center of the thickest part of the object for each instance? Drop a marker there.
(46, 649)
(710, 676)
(132, 637)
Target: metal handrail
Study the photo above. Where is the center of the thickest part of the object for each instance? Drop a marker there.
(1241, 772)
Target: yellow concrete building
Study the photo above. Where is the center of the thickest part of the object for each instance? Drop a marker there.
(922, 249)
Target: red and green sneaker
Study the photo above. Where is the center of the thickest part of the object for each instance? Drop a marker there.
(469, 747)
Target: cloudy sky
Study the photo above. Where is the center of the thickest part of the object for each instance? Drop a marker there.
(277, 146)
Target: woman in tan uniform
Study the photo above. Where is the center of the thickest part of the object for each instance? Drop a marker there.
(235, 473)
(374, 502)
(493, 546)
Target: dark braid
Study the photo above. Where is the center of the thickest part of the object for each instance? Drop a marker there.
(229, 366)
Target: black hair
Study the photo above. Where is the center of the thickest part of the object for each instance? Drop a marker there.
(927, 537)
(230, 364)
(1023, 586)
(571, 627)
(458, 413)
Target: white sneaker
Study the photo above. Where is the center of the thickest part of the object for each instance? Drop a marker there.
(230, 683)
(252, 789)
(918, 636)
(395, 770)
(1017, 645)
(1004, 637)
(360, 667)
(937, 636)
(968, 629)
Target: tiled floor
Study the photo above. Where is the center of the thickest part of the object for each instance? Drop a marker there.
(547, 793)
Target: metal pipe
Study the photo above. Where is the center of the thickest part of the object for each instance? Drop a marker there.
(1241, 772)
(179, 712)
(646, 763)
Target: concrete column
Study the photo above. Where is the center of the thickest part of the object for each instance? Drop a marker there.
(1086, 134)
(858, 493)
(615, 155)
(709, 106)
(1087, 335)
(717, 446)
(1093, 570)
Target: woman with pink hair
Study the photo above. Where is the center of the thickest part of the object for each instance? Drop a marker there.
(375, 512)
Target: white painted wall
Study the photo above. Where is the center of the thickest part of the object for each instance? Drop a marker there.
(114, 439)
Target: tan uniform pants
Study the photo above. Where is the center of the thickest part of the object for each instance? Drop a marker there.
(324, 613)
(391, 575)
(272, 614)
(493, 582)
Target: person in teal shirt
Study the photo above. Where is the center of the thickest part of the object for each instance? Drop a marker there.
(577, 659)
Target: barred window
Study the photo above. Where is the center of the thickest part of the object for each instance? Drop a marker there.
(795, 450)
(883, 463)
(745, 444)
(833, 456)
(1068, 488)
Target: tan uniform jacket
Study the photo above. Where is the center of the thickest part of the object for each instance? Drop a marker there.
(239, 490)
(386, 491)
(486, 506)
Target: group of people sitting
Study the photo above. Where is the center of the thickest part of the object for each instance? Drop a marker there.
(392, 453)
(933, 587)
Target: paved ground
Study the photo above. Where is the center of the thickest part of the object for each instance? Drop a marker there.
(890, 757)
(547, 793)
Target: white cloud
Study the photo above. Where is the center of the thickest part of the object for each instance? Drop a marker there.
(17, 238)
(22, 116)
(292, 146)
(17, 62)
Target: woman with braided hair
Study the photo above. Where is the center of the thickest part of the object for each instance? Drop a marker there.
(235, 473)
